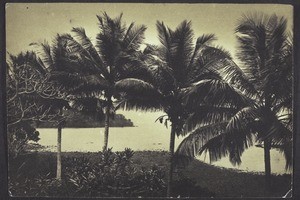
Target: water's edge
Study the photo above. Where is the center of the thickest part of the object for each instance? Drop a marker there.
(90, 140)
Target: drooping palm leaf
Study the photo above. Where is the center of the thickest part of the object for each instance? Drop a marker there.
(206, 114)
(195, 143)
(215, 92)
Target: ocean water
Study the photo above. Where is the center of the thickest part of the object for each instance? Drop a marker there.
(138, 139)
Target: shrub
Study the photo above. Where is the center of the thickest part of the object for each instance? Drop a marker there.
(18, 137)
(113, 175)
(103, 174)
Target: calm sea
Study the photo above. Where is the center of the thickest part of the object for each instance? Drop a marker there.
(136, 138)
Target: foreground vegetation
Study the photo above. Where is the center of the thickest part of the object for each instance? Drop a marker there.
(132, 174)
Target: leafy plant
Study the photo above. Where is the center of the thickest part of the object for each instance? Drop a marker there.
(105, 174)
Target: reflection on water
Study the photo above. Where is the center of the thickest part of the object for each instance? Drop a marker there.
(91, 140)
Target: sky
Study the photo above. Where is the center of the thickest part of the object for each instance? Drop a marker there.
(36, 22)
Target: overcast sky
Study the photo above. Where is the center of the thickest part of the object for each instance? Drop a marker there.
(35, 22)
(31, 22)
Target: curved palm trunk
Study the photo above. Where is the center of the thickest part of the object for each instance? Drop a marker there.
(106, 128)
(171, 162)
(267, 159)
(58, 167)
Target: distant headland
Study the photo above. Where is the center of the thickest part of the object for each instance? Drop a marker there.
(82, 121)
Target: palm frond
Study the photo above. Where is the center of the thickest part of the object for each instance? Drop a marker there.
(139, 103)
(45, 53)
(131, 66)
(109, 40)
(239, 133)
(96, 80)
(208, 59)
(235, 76)
(240, 121)
(206, 114)
(262, 41)
(78, 84)
(164, 35)
(164, 78)
(253, 41)
(277, 129)
(134, 37)
(287, 150)
(278, 35)
(151, 50)
(89, 47)
(200, 140)
(215, 92)
(203, 40)
(133, 86)
(181, 51)
(82, 60)
(28, 60)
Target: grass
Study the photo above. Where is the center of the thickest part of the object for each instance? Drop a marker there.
(221, 181)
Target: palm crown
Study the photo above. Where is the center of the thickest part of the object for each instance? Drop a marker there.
(266, 53)
(105, 69)
(185, 79)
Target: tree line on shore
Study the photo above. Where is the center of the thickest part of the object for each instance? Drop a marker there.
(80, 120)
(220, 107)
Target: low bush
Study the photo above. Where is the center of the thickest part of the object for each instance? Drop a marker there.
(107, 174)
(142, 173)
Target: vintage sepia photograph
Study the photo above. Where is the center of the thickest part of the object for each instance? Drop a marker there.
(139, 100)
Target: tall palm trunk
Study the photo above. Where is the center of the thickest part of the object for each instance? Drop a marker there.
(267, 145)
(106, 128)
(58, 167)
(171, 161)
(267, 159)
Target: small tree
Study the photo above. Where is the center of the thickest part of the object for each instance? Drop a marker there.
(31, 98)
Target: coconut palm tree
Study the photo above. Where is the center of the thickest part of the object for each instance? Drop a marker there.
(267, 57)
(266, 54)
(66, 75)
(31, 96)
(178, 66)
(91, 72)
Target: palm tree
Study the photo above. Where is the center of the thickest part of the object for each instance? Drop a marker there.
(32, 97)
(266, 54)
(54, 58)
(91, 72)
(178, 66)
(268, 60)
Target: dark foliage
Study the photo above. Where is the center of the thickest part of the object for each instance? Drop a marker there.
(81, 120)
(261, 108)
(18, 137)
(186, 187)
(108, 174)
(31, 98)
